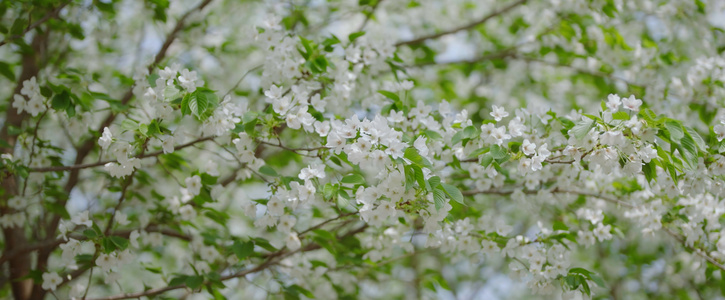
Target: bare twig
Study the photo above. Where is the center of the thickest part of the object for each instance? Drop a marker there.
(270, 260)
(241, 79)
(369, 15)
(302, 233)
(554, 191)
(697, 251)
(50, 15)
(464, 27)
(101, 163)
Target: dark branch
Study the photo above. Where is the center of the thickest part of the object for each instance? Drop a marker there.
(464, 27)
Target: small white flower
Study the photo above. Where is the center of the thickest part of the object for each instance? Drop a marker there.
(719, 130)
(167, 144)
(317, 171)
(187, 212)
(613, 102)
(133, 238)
(632, 103)
(105, 140)
(106, 262)
(275, 207)
(498, 113)
(193, 185)
(528, 147)
(286, 223)
(51, 280)
(82, 218)
(35, 106)
(167, 73)
(121, 218)
(16, 202)
(602, 232)
(293, 242)
(19, 103)
(419, 144)
(274, 92)
(209, 253)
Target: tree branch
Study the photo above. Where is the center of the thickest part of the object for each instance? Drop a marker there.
(697, 251)
(101, 163)
(554, 191)
(52, 243)
(50, 15)
(464, 27)
(271, 260)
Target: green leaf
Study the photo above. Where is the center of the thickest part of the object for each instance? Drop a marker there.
(207, 179)
(390, 95)
(486, 159)
(581, 129)
(353, 36)
(479, 151)
(267, 170)
(84, 259)
(307, 44)
(696, 137)
(90, 234)
(433, 135)
(143, 129)
(120, 242)
(61, 101)
(434, 181)
(573, 281)
(181, 279)
(412, 155)
(7, 71)
(353, 179)
(688, 150)
(470, 132)
(620, 115)
(200, 103)
(701, 7)
(439, 198)
(155, 270)
(418, 176)
(243, 249)
(295, 290)
(585, 287)
(329, 190)
(559, 225)
(264, 244)
(194, 282)
(329, 42)
(453, 192)
(497, 152)
(18, 26)
(597, 279)
(650, 171)
(129, 124)
(108, 245)
(675, 129)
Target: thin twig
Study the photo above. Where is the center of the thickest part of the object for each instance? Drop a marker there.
(698, 251)
(271, 260)
(292, 149)
(51, 15)
(554, 191)
(326, 222)
(369, 15)
(241, 79)
(464, 27)
(101, 163)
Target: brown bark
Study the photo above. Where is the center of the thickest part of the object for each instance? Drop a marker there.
(15, 237)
